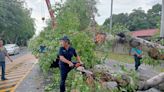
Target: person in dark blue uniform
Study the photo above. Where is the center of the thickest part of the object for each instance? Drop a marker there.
(66, 52)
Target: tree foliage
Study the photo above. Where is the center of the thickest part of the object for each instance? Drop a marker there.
(154, 15)
(117, 28)
(70, 22)
(138, 19)
(16, 24)
(121, 18)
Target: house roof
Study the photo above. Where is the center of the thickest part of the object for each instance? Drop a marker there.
(145, 32)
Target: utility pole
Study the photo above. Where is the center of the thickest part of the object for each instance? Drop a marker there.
(111, 12)
(162, 21)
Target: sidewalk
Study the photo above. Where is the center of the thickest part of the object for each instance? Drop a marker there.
(16, 71)
(34, 82)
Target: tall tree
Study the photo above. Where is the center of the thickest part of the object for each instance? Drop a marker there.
(154, 15)
(138, 20)
(80, 12)
(121, 18)
(16, 24)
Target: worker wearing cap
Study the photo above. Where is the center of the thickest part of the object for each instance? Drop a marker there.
(66, 52)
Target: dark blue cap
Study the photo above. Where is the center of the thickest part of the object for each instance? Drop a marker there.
(65, 38)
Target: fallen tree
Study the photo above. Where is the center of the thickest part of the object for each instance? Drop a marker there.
(152, 82)
(151, 48)
(155, 54)
(104, 74)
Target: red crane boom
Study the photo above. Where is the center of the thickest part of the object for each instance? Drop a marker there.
(51, 12)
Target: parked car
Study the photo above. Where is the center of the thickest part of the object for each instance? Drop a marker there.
(12, 49)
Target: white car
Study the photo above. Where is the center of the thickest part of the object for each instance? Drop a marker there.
(12, 49)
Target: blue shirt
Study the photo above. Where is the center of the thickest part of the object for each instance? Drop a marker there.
(138, 51)
(68, 54)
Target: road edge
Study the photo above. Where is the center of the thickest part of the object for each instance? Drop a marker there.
(17, 85)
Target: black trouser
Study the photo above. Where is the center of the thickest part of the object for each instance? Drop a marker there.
(137, 61)
(64, 70)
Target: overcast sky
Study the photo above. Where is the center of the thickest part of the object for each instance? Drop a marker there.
(39, 9)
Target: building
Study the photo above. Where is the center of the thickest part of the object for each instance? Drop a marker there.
(145, 34)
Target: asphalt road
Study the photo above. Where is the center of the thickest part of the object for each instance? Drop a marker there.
(16, 71)
(22, 52)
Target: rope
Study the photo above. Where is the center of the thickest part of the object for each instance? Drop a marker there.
(42, 10)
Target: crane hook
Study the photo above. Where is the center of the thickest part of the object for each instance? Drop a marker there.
(43, 19)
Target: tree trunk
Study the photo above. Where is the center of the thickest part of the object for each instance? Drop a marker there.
(135, 41)
(152, 82)
(148, 44)
(147, 84)
(16, 40)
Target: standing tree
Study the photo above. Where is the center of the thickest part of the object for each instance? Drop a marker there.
(138, 20)
(154, 15)
(82, 10)
(16, 24)
(118, 19)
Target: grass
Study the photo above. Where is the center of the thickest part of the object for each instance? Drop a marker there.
(123, 58)
(115, 56)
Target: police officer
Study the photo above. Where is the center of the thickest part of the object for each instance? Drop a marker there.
(66, 52)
